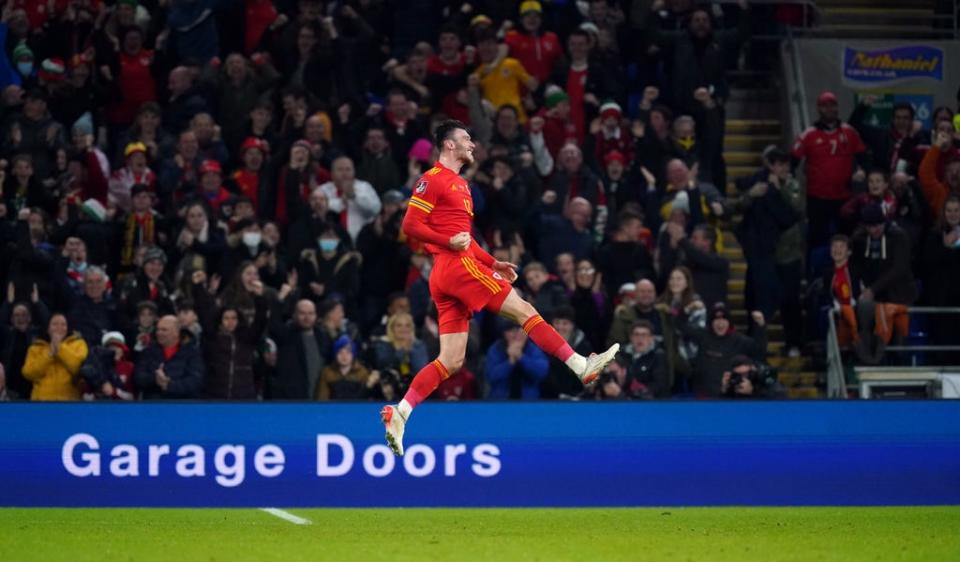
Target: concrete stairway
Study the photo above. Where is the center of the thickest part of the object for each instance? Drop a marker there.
(753, 123)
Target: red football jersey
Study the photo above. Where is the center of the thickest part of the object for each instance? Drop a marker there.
(445, 197)
(537, 53)
(830, 158)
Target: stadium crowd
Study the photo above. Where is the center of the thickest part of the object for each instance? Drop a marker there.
(202, 199)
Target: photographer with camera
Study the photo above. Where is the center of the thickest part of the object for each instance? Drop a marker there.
(749, 379)
(719, 343)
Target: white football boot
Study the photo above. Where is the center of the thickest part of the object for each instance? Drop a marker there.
(596, 363)
(394, 423)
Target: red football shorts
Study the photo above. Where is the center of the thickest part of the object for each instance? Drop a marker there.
(461, 285)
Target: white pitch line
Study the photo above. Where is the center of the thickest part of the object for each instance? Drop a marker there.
(286, 516)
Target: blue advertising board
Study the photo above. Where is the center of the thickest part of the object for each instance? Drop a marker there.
(893, 64)
(482, 454)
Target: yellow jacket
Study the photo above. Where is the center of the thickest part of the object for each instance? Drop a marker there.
(55, 377)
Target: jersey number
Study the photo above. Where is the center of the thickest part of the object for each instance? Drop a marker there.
(833, 146)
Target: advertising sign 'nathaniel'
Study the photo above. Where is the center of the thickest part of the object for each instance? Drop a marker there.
(890, 65)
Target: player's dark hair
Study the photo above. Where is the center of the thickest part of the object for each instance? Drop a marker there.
(877, 170)
(644, 324)
(904, 105)
(445, 129)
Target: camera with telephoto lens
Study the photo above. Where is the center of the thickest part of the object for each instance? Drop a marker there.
(761, 376)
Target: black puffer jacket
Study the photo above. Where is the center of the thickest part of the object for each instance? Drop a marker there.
(229, 356)
(716, 355)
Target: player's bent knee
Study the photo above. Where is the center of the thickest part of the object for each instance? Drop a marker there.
(452, 364)
(525, 311)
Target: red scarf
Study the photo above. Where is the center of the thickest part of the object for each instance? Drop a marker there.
(169, 352)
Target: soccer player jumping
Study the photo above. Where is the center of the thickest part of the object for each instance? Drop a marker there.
(465, 278)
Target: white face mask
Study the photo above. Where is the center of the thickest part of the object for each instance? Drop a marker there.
(251, 239)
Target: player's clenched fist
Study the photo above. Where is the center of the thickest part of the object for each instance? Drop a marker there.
(460, 241)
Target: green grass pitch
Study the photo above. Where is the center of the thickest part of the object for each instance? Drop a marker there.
(419, 535)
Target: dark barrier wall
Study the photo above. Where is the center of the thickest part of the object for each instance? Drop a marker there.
(493, 454)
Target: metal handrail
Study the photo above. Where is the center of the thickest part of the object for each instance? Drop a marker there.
(836, 382)
(798, 95)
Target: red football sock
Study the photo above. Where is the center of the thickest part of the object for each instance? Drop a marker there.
(547, 338)
(426, 381)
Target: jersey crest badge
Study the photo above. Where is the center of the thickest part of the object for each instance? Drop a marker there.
(421, 188)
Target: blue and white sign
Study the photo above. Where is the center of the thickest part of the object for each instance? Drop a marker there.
(482, 454)
(922, 107)
(894, 64)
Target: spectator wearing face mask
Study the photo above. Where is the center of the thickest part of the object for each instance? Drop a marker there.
(245, 244)
(330, 270)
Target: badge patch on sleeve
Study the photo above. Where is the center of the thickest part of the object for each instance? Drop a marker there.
(421, 188)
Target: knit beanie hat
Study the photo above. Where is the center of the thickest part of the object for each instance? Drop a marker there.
(94, 209)
(554, 95)
(84, 125)
(342, 342)
(610, 109)
(718, 310)
(22, 51)
(53, 70)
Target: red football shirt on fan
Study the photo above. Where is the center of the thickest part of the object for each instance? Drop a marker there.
(537, 53)
(830, 158)
(576, 89)
(136, 86)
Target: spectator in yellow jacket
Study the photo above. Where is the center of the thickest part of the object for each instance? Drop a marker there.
(53, 366)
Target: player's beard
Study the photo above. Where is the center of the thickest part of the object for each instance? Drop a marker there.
(466, 157)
